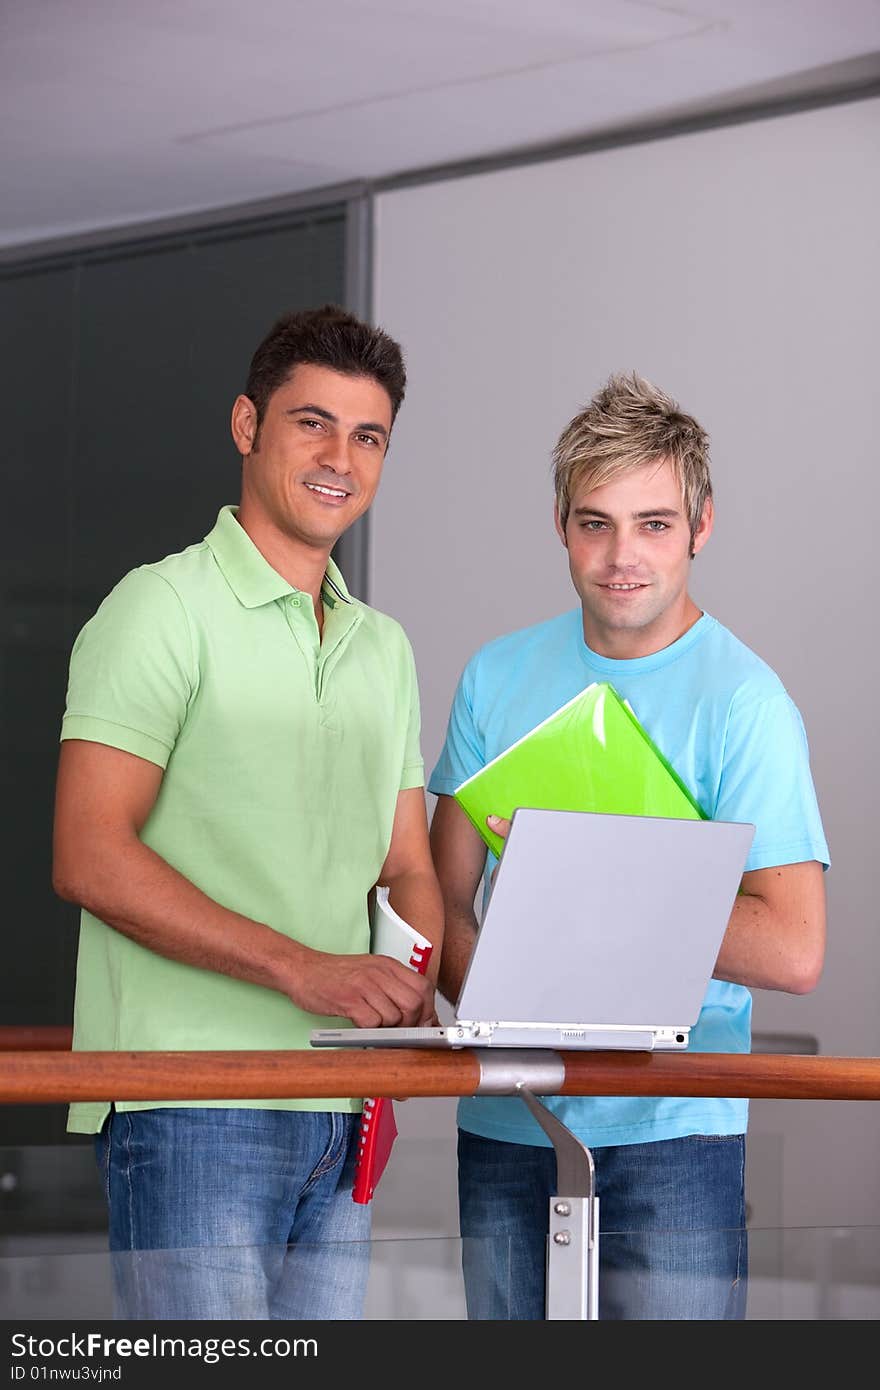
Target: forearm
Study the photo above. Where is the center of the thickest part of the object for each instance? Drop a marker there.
(134, 890)
(458, 942)
(139, 894)
(103, 800)
(777, 943)
(415, 896)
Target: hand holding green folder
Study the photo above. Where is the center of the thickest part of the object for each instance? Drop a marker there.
(591, 755)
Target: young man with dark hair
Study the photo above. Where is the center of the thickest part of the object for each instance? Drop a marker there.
(240, 765)
(633, 508)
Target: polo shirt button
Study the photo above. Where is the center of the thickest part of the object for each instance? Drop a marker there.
(294, 599)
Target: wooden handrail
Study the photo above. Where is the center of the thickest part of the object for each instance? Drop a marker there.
(33, 1077)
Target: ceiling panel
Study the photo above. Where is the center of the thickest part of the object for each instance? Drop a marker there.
(116, 112)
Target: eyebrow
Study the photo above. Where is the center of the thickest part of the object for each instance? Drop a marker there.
(334, 419)
(637, 516)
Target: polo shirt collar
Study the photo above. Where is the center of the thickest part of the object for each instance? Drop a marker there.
(249, 574)
(334, 589)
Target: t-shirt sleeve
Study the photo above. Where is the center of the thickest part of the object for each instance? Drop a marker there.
(132, 670)
(766, 780)
(413, 773)
(463, 752)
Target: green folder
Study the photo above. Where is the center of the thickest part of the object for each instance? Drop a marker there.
(591, 755)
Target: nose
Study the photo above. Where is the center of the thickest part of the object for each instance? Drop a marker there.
(333, 453)
(622, 551)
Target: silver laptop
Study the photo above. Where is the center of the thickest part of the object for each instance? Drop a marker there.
(600, 932)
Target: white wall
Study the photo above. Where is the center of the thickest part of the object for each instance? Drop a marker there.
(737, 268)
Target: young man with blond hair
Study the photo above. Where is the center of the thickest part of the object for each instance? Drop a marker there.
(633, 509)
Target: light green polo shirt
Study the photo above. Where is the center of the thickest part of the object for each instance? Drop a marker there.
(283, 754)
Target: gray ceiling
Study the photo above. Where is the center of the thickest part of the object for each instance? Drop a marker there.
(116, 112)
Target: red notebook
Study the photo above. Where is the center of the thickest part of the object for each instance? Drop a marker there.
(391, 936)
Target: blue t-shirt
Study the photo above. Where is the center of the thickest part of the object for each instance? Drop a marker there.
(725, 722)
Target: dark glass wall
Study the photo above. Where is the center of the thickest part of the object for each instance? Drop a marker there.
(119, 369)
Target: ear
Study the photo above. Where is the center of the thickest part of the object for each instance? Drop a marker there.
(560, 529)
(244, 424)
(704, 527)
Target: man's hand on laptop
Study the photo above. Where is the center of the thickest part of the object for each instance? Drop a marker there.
(371, 991)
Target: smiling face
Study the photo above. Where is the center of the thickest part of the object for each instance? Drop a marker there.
(629, 550)
(314, 465)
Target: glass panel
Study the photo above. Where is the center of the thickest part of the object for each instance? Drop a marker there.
(819, 1274)
(46, 1278)
(828, 1274)
(51, 1190)
(54, 1261)
(822, 1274)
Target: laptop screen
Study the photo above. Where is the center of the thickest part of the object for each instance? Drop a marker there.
(604, 919)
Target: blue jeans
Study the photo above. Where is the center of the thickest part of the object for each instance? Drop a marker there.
(672, 1239)
(234, 1213)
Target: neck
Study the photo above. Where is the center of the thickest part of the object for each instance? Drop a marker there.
(301, 564)
(626, 644)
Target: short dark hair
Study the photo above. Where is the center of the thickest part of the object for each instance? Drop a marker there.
(326, 337)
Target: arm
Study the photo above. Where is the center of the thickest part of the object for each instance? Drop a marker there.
(775, 938)
(459, 858)
(776, 935)
(408, 873)
(103, 799)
